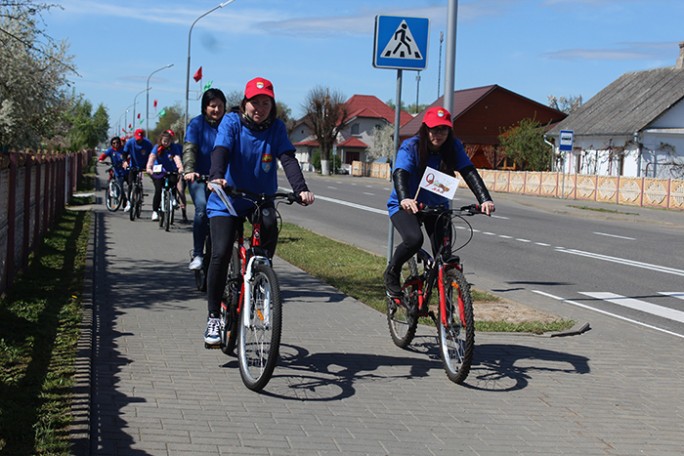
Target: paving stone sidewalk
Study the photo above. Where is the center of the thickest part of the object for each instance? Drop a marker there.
(342, 387)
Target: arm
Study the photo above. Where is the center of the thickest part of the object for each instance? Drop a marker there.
(401, 184)
(179, 163)
(294, 175)
(189, 154)
(478, 187)
(219, 163)
(150, 163)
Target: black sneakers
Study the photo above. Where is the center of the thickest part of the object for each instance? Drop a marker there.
(392, 283)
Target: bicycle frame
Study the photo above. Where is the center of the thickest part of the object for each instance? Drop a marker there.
(248, 262)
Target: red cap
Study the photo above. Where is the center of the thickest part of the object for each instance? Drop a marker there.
(139, 133)
(259, 86)
(436, 117)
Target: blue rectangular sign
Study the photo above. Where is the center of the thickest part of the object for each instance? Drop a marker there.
(401, 42)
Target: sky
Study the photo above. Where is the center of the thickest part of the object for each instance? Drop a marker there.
(535, 48)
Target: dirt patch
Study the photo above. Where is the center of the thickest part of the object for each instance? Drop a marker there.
(511, 312)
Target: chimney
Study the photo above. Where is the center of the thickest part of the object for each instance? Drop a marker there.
(680, 59)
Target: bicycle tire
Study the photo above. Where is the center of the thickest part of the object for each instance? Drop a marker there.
(167, 210)
(134, 203)
(402, 318)
(457, 337)
(259, 340)
(229, 305)
(139, 200)
(113, 197)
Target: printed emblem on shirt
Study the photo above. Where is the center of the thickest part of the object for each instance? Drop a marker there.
(266, 162)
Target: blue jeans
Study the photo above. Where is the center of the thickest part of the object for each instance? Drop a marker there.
(200, 225)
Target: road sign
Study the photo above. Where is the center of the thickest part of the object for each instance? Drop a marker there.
(566, 140)
(401, 42)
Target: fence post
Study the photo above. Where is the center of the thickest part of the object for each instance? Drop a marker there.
(10, 268)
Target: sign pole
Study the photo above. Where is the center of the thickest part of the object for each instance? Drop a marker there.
(397, 118)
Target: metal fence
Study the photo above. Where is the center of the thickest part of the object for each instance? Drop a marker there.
(34, 190)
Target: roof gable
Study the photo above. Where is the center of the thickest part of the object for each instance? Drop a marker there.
(627, 105)
(372, 107)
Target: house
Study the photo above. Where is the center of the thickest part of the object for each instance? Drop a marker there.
(481, 114)
(365, 115)
(634, 127)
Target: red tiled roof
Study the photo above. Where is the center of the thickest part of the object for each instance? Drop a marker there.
(372, 107)
(353, 142)
(307, 143)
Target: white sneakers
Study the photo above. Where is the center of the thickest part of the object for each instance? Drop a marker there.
(155, 216)
(128, 207)
(196, 263)
(211, 334)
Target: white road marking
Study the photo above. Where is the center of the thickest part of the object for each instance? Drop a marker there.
(614, 236)
(640, 305)
(624, 261)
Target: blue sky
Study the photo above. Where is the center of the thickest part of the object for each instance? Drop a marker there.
(536, 48)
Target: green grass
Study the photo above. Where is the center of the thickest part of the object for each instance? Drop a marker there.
(39, 329)
(601, 209)
(359, 274)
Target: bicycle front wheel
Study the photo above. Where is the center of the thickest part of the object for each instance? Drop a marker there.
(402, 313)
(114, 196)
(456, 327)
(260, 327)
(135, 197)
(167, 210)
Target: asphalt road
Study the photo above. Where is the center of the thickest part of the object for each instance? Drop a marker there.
(550, 253)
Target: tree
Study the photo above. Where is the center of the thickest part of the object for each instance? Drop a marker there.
(383, 143)
(33, 74)
(565, 104)
(170, 118)
(325, 114)
(524, 143)
(84, 130)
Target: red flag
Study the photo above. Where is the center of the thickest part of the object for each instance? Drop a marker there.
(138, 115)
(129, 126)
(155, 104)
(198, 74)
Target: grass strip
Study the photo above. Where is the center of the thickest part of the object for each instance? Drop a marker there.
(39, 329)
(358, 274)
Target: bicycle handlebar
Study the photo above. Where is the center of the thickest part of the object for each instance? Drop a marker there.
(260, 198)
(470, 209)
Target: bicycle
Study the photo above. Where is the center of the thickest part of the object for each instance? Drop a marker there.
(251, 311)
(169, 198)
(136, 197)
(114, 192)
(454, 320)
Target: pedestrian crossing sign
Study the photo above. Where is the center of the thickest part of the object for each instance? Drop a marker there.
(401, 42)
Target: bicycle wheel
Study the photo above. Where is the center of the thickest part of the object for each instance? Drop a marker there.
(229, 305)
(457, 327)
(260, 326)
(135, 195)
(402, 314)
(167, 210)
(114, 196)
(139, 200)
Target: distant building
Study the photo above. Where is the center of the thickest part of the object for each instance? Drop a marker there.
(366, 113)
(633, 127)
(481, 114)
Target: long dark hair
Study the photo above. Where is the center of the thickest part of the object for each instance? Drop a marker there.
(446, 151)
(212, 94)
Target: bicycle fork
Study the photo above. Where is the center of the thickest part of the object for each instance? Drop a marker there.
(442, 296)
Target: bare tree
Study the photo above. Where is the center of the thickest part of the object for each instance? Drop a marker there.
(565, 104)
(325, 114)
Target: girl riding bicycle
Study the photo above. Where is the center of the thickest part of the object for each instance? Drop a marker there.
(434, 146)
(244, 157)
(115, 154)
(163, 154)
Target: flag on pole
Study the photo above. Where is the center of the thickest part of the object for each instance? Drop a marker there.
(138, 115)
(162, 113)
(438, 182)
(198, 74)
(207, 86)
(154, 104)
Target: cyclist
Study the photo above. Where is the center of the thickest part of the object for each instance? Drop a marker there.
(115, 155)
(166, 155)
(180, 186)
(435, 146)
(247, 145)
(199, 142)
(136, 151)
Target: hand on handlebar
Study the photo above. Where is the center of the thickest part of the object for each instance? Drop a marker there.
(409, 205)
(190, 177)
(220, 182)
(487, 207)
(307, 198)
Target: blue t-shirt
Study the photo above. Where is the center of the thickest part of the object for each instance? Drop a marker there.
(408, 159)
(201, 133)
(138, 152)
(251, 160)
(116, 156)
(164, 157)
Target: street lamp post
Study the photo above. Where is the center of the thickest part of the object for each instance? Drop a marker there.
(147, 98)
(187, 73)
(135, 102)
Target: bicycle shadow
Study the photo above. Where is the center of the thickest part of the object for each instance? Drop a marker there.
(332, 376)
(502, 368)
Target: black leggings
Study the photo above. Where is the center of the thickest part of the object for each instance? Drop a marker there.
(158, 187)
(408, 226)
(222, 231)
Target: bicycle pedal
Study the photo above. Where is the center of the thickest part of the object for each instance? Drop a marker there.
(212, 346)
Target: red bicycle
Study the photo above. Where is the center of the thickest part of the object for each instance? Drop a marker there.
(421, 276)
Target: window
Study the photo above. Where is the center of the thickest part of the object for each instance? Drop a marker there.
(355, 129)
